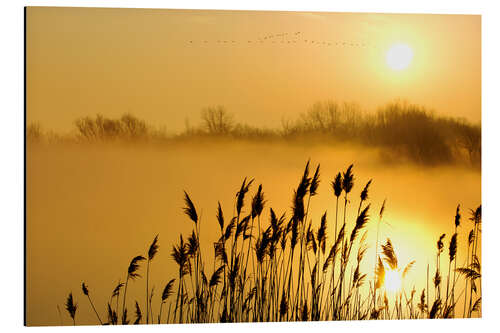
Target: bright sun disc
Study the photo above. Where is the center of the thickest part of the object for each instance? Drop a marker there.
(399, 57)
(392, 280)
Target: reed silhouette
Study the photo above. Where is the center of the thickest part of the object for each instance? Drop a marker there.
(287, 270)
(71, 307)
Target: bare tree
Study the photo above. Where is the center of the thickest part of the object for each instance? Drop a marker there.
(470, 139)
(101, 128)
(133, 127)
(87, 128)
(34, 132)
(217, 120)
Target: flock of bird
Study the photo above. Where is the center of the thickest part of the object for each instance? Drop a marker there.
(284, 38)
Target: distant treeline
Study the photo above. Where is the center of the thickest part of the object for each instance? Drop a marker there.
(402, 129)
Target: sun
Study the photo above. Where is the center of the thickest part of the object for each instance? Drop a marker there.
(399, 57)
(392, 280)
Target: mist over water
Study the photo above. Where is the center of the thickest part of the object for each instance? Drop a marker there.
(91, 208)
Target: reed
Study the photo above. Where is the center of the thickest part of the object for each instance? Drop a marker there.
(299, 271)
(71, 307)
(131, 275)
(85, 291)
(153, 249)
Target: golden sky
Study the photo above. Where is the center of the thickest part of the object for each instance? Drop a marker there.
(83, 61)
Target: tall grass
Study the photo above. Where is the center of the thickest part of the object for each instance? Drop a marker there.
(286, 269)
